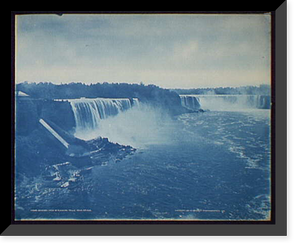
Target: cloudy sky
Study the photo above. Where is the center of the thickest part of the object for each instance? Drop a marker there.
(171, 50)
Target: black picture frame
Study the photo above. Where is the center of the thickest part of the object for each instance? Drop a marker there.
(278, 226)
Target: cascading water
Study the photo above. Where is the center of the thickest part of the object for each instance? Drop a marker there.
(225, 102)
(191, 102)
(88, 113)
(123, 121)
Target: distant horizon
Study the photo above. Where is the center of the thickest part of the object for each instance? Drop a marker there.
(171, 51)
(146, 84)
(183, 88)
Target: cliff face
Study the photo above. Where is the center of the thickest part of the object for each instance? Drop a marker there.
(34, 146)
(60, 113)
(29, 111)
(27, 114)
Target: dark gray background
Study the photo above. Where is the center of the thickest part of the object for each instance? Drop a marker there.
(277, 229)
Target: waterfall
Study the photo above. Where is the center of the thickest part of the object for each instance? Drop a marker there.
(191, 102)
(89, 112)
(225, 102)
(135, 102)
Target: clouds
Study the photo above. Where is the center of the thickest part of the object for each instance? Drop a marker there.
(186, 51)
(168, 50)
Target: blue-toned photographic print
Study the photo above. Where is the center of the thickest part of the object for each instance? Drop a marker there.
(143, 117)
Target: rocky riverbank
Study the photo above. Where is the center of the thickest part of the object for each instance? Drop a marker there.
(39, 149)
(44, 166)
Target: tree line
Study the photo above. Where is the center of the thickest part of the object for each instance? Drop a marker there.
(151, 94)
(262, 89)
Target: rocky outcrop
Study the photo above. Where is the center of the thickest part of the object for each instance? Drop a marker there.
(36, 148)
(39, 149)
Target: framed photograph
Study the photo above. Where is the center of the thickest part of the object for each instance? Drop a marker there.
(148, 123)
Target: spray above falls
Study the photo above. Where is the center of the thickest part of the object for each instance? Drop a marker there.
(126, 121)
(117, 120)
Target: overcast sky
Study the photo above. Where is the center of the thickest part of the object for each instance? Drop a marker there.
(184, 51)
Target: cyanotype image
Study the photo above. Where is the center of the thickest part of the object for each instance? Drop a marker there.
(143, 117)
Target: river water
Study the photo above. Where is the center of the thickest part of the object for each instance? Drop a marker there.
(215, 165)
(196, 166)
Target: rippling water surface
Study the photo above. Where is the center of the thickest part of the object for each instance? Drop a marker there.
(213, 165)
